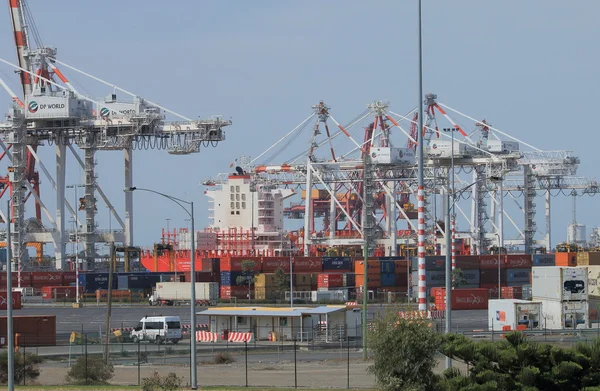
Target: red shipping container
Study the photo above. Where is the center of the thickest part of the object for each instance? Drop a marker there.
(211, 265)
(491, 262)
(60, 292)
(402, 280)
(234, 264)
(308, 265)
(401, 266)
(202, 277)
(518, 261)
(511, 292)
(492, 290)
(270, 264)
(490, 276)
(239, 292)
(32, 330)
(13, 279)
(16, 300)
(467, 262)
(327, 280)
(39, 279)
(69, 278)
(466, 299)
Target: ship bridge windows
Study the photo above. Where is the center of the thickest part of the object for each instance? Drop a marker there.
(232, 197)
(244, 197)
(243, 204)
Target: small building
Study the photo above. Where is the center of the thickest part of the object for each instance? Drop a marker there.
(325, 323)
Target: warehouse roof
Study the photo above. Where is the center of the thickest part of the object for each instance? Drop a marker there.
(271, 311)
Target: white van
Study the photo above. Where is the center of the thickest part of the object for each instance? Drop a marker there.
(157, 329)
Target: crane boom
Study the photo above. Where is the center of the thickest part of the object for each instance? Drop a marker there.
(18, 25)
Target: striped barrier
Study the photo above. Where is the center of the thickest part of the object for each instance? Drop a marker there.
(206, 336)
(421, 314)
(236, 336)
(351, 304)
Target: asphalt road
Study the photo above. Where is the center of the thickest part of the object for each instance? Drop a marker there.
(92, 318)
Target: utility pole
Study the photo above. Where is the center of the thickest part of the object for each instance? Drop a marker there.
(367, 225)
(113, 259)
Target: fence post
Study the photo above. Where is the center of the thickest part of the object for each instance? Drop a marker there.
(246, 354)
(138, 366)
(348, 383)
(86, 359)
(295, 366)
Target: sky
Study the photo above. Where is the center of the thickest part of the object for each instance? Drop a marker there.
(529, 68)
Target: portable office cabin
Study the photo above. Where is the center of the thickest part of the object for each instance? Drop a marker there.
(331, 323)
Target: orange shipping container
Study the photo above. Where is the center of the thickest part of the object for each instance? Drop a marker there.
(373, 267)
(373, 280)
(566, 259)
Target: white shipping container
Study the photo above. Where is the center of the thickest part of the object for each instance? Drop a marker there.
(181, 291)
(498, 146)
(391, 155)
(559, 283)
(558, 315)
(593, 280)
(443, 148)
(513, 313)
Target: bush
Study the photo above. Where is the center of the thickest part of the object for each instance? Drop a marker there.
(155, 382)
(98, 372)
(25, 367)
(223, 358)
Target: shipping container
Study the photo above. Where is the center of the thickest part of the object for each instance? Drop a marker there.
(373, 281)
(122, 282)
(433, 263)
(472, 277)
(518, 261)
(388, 280)
(234, 264)
(560, 283)
(467, 262)
(39, 279)
(203, 277)
(492, 289)
(566, 259)
(491, 262)
(401, 266)
(235, 291)
(265, 280)
(32, 330)
(511, 292)
(67, 293)
(591, 258)
(94, 281)
(229, 278)
(527, 292)
(330, 280)
(144, 282)
(557, 314)
(464, 299)
(304, 279)
(331, 264)
(402, 280)
(212, 265)
(490, 276)
(349, 279)
(373, 267)
(271, 264)
(433, 278)
(16, 300)
(307, 265)
(513, 314)
(518, 275)
(205, 292)
(543, 260)
(593, 273)
(386, 267)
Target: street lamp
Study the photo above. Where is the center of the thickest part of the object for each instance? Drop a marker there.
(180, 202)
(74, 187)
(450, 206)
(499, 260)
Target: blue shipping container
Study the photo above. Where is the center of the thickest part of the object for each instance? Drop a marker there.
(388, 279)
(394, 258)
(229, 278)
(518, 275)
(387, 267)
(142, 282)
(95, 281)
(123, 282)
(2, 255)
(544, 260)
(337, 264)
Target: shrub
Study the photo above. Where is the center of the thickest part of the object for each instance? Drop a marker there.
(171, 382)
(223, 358)
(97, 372)
(25, 367)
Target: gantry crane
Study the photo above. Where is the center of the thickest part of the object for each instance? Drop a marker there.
(50, 110)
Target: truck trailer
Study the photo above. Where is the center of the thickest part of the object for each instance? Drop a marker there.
(179, 293)
(514, 314)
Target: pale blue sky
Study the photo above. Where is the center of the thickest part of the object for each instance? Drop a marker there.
(530, 68)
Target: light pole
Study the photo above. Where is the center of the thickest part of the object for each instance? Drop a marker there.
(499, 260)
(180, 202)
(74, 187)
(450, 207)
(9, 305)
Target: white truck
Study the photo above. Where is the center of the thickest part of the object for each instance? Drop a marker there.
(158, 329)
(511, 313)
(177, 293)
